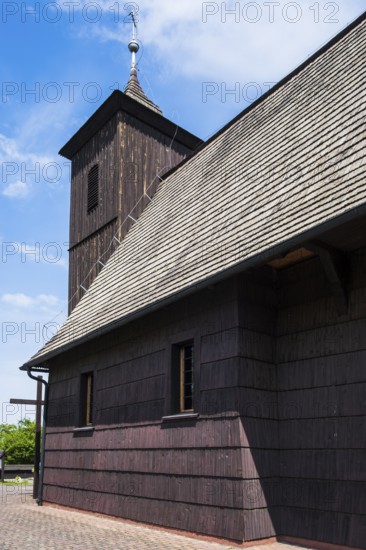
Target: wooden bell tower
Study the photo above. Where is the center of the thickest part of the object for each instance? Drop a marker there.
(117, 157)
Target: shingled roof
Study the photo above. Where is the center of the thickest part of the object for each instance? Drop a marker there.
(294, 162)
(134, 90)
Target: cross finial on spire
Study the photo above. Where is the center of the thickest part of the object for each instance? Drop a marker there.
(134, 25)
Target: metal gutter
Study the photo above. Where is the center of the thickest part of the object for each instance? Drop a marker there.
(41, 468)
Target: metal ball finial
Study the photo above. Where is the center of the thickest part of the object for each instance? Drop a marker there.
(134, 46)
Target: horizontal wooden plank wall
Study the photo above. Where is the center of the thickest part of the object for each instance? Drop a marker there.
(187, 475)
(322, 397)
(278, 448)
(257, 403)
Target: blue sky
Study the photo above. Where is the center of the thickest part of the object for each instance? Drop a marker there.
(61, 62)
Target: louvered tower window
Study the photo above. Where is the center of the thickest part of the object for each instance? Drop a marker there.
(93, 188)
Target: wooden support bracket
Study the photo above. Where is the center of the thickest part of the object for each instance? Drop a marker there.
(335, 265)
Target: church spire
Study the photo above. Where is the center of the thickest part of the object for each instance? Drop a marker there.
(133, 88)
(133, 47)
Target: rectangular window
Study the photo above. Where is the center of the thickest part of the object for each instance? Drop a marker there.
(186, 364)
(86, 399)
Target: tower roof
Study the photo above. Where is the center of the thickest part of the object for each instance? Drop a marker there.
(132, 101)
(134, 90)
(122, 102)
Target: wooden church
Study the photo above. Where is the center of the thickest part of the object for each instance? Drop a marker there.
(211, 375)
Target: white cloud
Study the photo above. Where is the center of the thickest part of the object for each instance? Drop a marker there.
(23, 318)
(28, 158)
(20, 169)
(26, 323)
(19, 300)
(187, 39)
(13, 150)
(17, 190)
(48, 299)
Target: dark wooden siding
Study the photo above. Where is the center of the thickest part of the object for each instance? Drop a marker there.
(103, 150)
(322, 406)
(257, 404)
(130, 155)
(146, 153)
(278, 447)
(187, 475)
(83, 258)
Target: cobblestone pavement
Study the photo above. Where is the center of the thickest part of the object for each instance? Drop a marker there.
(26, 526)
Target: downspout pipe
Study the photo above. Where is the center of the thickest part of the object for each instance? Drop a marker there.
(41, 468)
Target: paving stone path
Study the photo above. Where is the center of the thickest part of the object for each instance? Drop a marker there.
(26, 526)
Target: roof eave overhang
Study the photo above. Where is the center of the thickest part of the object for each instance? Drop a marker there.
(119, 101)
(252, 262)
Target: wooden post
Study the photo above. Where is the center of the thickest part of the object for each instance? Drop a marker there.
(2, 460)
(37, 449)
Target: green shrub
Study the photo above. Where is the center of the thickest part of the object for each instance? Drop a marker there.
(18, 442)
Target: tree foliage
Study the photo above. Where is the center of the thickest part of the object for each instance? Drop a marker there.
(18, 441)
